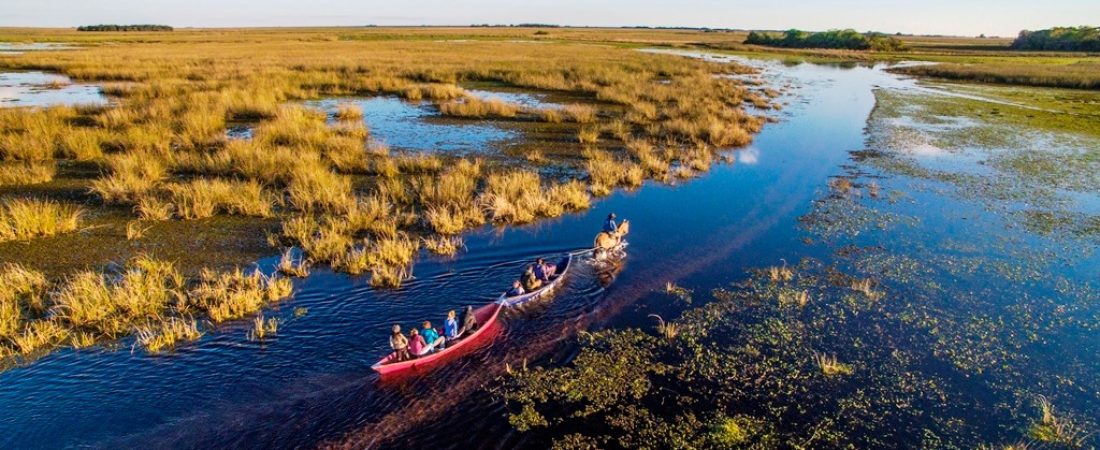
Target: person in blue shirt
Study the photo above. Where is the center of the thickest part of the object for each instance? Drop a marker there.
(609, 224)
(431, 337)
(450, 326)
(543, 270)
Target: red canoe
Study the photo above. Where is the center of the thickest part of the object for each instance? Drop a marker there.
(487, 326)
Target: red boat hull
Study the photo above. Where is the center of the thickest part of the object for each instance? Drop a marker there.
(488, 326)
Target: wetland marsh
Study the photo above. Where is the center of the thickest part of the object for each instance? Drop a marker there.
(890, 262)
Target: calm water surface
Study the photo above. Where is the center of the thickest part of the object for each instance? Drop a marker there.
(312, 382)
(415, 126)
(34, 89)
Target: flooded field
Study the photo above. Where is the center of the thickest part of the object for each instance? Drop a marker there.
(43, 89)
(415, 126)
(981, 272)
(15, 48)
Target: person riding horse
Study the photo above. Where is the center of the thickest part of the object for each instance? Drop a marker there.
(610, 237)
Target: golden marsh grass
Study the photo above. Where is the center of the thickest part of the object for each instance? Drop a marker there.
(31, 218)
(342, 196)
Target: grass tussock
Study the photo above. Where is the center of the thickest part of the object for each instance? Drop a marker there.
(668, 330)
(22, 297)
(322, 242)
(449, 199)
(520, 197)
(148, 298)
(130, 177)
(293, 266)
(27, 173)
(262, 328)
(571, 195)
(1053, 429)
(649, 160)
(373, 215)
(112, 306)
(578, 113)
(235, 294)
(159, 337)
(316, 189)
(388, 259)
(830, 366)
(473, 107)
(348, 111)
(513, 197)
(38, 336)
(444, 245)
(31, 218)
(606, 172)
(451, 219)
(202, 198)
(588, 135)
(154, 208)
(779, 274)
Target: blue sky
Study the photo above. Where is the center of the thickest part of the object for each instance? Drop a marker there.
(963, 17)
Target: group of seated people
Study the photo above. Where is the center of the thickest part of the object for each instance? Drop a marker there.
(534, 276)
(426, 340)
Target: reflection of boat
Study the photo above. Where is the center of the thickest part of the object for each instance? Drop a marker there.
(517, 300)
(488, 325)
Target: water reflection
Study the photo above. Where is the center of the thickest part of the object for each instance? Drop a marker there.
(748, 156)
(15, 48)
(525, 99)
(417, 126)
(44, 89)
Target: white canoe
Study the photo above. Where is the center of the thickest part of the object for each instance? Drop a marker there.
(542, 292)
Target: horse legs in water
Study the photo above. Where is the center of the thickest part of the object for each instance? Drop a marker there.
(599, 253)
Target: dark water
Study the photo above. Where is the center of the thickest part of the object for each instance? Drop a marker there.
(312, 382)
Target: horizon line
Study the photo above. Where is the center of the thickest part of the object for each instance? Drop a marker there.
(486, 25)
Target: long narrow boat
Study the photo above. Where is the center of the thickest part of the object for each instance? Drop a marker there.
(487, 327)
(542, 292)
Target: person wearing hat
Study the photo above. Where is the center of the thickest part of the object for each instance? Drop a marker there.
(399, 343)
(609, 224)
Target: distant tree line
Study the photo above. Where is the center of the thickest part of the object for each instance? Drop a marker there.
(143, 27)
(842, 39)
(1080, 39)
(519, 25)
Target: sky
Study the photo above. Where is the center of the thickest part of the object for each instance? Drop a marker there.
(953, 17)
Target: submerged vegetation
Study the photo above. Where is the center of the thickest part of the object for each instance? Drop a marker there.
(750, 367)
(903, 340)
